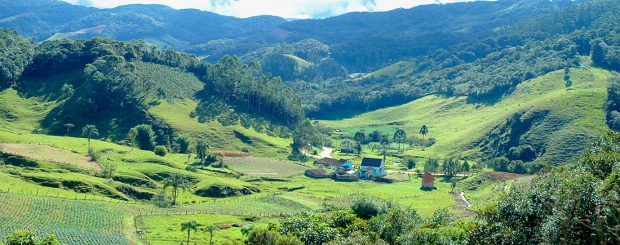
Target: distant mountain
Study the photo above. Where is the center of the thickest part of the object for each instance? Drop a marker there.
(359, 41)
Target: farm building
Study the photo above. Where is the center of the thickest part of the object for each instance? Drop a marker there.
(345, 177)
(337, 164)
(316, 173)
(372, 167)
(428, 181)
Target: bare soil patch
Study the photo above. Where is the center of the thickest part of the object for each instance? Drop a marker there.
(50, 154)
(501, 176)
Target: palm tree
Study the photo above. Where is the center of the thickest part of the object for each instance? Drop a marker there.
(211, 228)
(90, 131)
(201, 149)
(133, 135)
(189, 226)
(423, 131)
(400, 136)
(176, 180)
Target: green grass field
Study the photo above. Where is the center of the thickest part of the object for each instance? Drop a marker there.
(457, 125)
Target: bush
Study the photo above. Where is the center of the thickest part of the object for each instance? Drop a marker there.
(161, 200)
(367, 208)
(191, 168)
(161, 150)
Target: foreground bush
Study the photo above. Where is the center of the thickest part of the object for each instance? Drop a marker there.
(161, 150)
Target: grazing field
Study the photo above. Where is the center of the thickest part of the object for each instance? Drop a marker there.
(458, 125)
(255, 166)
(51, 154)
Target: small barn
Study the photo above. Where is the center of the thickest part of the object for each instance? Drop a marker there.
(346, 177)
(316, 173)
(428, 181)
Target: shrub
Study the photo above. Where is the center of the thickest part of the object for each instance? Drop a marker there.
(161, 150)
(367, 208)
(191, 168)
(161, 200)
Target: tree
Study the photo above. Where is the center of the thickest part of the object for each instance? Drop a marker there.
(201, 150)
(189, 226)
(423, 131)
(176, 181)
(21, 237)
(453, 185)
(132, 135)
(90, 131)
(400, 136)
(465, 167)
(210, 228)
(358, 148)
(360, 136)
(450, 166)
(346, 146)
(183, 141)
(66, 90)
(145, 137)
(431, 165)
(68, 126)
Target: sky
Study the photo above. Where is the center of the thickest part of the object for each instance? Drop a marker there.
(294, 9)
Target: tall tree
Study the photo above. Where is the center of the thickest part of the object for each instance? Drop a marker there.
(176, 181)
(189, 226)
(90, 131)
(400, 136)
(423, 131)
(201, 149)
(211, 229)
(132, 135)
(360, 136)
(68, 126)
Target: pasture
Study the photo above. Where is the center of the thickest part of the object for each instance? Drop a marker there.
(264, 167)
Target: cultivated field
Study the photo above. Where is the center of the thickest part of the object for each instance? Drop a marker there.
(51, 154)
(263, 167)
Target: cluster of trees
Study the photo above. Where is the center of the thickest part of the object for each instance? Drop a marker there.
(245, 88)
(449, 166)
(307, 135)
(573, 204)
(16, 54)
(368, 221)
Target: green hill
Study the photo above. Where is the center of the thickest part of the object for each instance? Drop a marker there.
(557, 122)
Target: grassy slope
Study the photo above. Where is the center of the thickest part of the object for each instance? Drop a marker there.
(457, 124)
(301, 63)
(399, 69)
(219, 136)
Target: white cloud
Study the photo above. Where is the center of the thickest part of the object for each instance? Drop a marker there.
(285, 8)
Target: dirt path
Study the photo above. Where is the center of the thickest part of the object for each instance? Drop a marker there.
(326, 152)
(50, 154)
(462, 204)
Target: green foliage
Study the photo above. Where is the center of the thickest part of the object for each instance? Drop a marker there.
(451, 166)
(431, 165)
(423, 131)
(394, 223)
(16, 53)
(577, 203)
(30, 238)
(145, 137)
(183, 141)
(400, 136)
(189, 226)
(367, 208)
(176, 181)
(201, 149)
(264, 236)
(410, 163)
(90, 130)
(161, 150)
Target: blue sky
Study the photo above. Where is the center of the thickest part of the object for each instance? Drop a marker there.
(301, 9)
